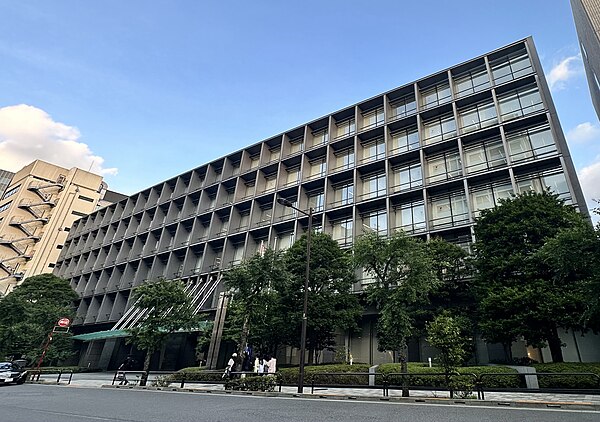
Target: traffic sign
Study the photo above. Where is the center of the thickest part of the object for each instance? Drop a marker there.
(64, 322)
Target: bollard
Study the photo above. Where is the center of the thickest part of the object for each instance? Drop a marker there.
(182, 380)
(59, 375)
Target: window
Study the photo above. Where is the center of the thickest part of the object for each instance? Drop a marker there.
(284, 241)
(293, 175)
(67, 229)
(224, 223)
(344, 159)
(11, 192)
(372, 118)
(5, 206)
(254, 161)
(316, 201)
(249, 189)
(274, 154)
(511, 66)
(478, 117)
(296, 145)
(436, 95)
(530, 144)
(264, 216)
(403, 107)
(405, 140)
(320, 137)
(439, 129)
(244, 221)
(408, 177)
(449, 209)
(484, 156)
(374, 186)
(443, 167)
(520, 103)
(51, 265)
(343, 194)
(78, 214)
(410, 217)
(342, 231)
(375, 221)
(471, 82)
(238, 254)
(85, 198)
(346, 128)
(270, 181)
(487, 196)
(538, 182)
(59, 246)
(373, 150)
(317, 168)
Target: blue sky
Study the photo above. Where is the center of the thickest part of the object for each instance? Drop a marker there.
(144, 90)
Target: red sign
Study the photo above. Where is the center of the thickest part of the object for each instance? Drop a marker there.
(64, 322)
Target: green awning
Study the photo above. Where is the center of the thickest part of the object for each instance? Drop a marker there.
(101, 335)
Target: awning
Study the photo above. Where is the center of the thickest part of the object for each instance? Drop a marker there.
(101, 335)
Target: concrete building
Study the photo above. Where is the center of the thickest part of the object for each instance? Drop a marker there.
(5, 178)
(37, 211)
(586, 14)
(425, 158)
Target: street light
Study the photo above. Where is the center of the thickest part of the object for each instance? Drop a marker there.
(289, 204)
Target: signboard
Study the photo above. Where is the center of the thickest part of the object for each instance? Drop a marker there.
(64, 322)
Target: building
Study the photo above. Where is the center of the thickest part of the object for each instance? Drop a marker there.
(37, 211)
(424, 158)
(5, 178)
(586, 14)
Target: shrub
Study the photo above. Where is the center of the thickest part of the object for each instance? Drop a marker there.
(568, 381)
(263, 383)
(290, 375)
(193, 374)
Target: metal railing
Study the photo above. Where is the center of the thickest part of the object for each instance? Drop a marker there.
(34, 375)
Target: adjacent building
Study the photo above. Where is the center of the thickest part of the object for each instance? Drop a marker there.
(37, 210)
(5, 178)
(587, 21)
(425, 158)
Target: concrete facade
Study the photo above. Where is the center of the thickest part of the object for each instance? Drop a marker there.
(586, 14)
(37, 211)
(424, 158)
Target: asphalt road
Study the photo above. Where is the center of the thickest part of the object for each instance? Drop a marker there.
(43, 403)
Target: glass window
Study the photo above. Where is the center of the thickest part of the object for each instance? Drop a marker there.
(436, 95)
(520, 103)
(296, 145)
(531, 143)
(471, 82)
(344, 194)
(439, 129)
(274, 154)
(293, 175)
(346, 128)
(511, 66)
(317, 168)
(405, 140)
(342, 231)
(478, 117)
(403, 107)
(315, 201)
(375, 221)
(410, 217)
(443, 167)
(5, 206)
(449, 209)
(373, 150)
(254, 161)
(539, 182)
(488, 196)
(270, 182)
(344, 159)
(372, 118)
(320, 137)
(408, 177)
(374, 186)
(484, 156)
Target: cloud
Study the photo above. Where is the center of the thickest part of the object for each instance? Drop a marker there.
(583, 132)
(589, 177)
(28, 133)
(563, 71)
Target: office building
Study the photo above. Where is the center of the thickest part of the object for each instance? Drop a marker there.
(37, 211)
(425, 158)
(586, 14)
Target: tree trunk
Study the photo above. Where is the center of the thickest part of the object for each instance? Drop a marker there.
(244, 337)
(144, 377)
(507, 352)
(555, 346)
(404, 369)
(311, 356)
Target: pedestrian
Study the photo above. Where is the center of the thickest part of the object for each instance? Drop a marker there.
(230, 366)
(125, 366)
(272, 365)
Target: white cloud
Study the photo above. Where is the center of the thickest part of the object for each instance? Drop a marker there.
(563, 71)
(589, 177)
(28, 133)
(583, 132)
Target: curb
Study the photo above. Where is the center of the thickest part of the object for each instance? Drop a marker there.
(523, 404)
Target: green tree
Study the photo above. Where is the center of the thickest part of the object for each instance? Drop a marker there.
(404, 275)
(254, 315)
(168, 309)
(517, 293)
(445, 333)
(30, 312)
(331, 304)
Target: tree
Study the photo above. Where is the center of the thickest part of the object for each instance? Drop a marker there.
(445, 333)
(404, 275)
(30, 312)
(516, 291)
(168, 309)
(331, 304)
(254, 314)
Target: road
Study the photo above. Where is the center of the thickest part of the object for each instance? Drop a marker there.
(46, 403)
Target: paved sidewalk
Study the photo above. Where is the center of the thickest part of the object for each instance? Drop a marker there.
(105, 379)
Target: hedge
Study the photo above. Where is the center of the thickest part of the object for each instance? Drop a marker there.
(262, 383)
(568, 381)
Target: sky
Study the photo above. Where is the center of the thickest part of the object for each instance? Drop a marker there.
(141, 91)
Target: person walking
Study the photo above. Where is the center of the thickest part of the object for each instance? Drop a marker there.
(125, 366)
(230, 366)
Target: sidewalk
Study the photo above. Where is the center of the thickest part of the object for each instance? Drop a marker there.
(500, 398)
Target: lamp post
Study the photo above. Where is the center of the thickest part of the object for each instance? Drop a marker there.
(289, 204)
